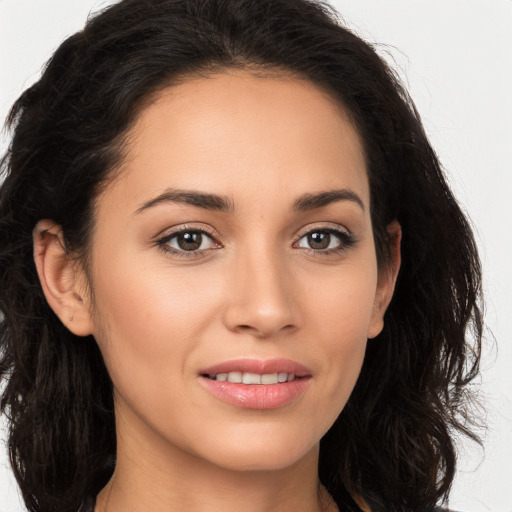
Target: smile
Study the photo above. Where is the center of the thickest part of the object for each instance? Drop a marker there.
(253, 378)
(257, 384)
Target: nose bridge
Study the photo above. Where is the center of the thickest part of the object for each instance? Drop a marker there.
(260, 298)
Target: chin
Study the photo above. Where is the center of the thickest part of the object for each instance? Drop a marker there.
(261, 453)
(258, 461)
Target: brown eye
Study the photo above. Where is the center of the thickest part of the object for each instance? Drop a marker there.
(319, 240)
(188, 241)
(326, 240)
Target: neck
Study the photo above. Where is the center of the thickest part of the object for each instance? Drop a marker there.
(152, 474)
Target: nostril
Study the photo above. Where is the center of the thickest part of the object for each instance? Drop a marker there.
(260, 318)
(248, 329)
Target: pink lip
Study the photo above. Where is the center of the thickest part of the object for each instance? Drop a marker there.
(257, 396)
(258, 366)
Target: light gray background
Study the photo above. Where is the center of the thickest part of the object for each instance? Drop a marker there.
(456, 58)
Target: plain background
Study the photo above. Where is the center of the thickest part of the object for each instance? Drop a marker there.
(455, 57)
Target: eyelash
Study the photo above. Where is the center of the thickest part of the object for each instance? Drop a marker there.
(163, 242)
(346, 240)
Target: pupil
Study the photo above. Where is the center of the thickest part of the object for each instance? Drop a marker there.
(189, 241)
(319, 240)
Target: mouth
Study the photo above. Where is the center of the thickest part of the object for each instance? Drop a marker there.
(257, 384)
(256, 371)
(253, 378)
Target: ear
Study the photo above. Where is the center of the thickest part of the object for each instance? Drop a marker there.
(62, 280)
(386, 280)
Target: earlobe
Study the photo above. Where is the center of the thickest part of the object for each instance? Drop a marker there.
(58, 275)
(386, 280)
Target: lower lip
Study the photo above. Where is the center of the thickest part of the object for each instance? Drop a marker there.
(257, 396)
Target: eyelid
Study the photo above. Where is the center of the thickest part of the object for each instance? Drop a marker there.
(180, 228)
(161, 240)
(347, 238)
(323, 226)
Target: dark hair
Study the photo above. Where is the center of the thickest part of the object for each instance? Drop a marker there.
(392, 443)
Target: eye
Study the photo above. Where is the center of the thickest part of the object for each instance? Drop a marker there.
(326, 240)
(188, 241)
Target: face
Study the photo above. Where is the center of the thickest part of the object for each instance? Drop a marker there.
(236, 244)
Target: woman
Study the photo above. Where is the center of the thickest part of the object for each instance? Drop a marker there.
(232, 273)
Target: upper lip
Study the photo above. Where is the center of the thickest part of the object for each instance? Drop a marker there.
(259, 366)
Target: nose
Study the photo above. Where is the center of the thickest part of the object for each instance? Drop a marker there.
(260, 299)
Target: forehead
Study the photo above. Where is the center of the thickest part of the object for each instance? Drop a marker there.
(232, 133)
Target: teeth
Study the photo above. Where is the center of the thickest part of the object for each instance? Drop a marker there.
(234, 377)
(269, 378)
(253, 378)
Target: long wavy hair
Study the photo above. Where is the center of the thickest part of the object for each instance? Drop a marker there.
(393, 442)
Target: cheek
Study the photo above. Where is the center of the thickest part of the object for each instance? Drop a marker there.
(150, 324)
(341, 316)
(149, 319)
(342, 302)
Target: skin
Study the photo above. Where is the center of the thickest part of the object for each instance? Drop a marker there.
(256, 289)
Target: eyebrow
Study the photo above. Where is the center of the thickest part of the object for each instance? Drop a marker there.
(192, 198)
(321, 199)
(225, 204)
